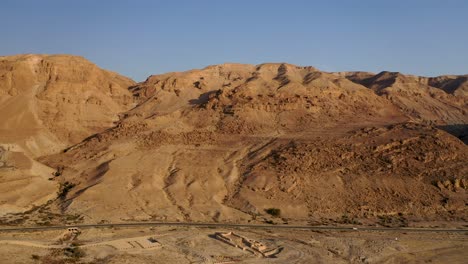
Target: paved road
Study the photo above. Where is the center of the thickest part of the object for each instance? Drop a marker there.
(227, 225)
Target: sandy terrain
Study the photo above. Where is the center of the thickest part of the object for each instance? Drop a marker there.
(198, 245)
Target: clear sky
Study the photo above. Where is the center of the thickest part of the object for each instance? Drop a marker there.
(140, 38)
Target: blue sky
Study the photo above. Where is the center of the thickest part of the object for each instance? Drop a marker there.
(140, 38)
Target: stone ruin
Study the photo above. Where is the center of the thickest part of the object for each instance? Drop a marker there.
(255, 247)
(73, 230)
(70, 234)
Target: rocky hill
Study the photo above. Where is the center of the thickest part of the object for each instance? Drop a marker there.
(228, 142)
(46, 104)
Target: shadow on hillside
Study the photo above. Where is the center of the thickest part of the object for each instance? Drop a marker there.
(202, 99)
(458, 130)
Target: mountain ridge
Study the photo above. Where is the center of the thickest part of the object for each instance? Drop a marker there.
(228, 141)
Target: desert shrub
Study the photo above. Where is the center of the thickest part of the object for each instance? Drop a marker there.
(393, 221)
(74, 252)
(347, 220)
(65, 188)
(273, 212)
(58, 172)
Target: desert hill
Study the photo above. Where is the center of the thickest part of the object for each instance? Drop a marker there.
(439, 100)
(47, 103)
(226, 142)
(58, 99)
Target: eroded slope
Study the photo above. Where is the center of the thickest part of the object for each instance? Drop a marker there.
(48, 102)
(229, 141)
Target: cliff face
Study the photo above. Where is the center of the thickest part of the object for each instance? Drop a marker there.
(48, 102)
(226, 142)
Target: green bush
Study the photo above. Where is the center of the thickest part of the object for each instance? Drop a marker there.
(273, 212)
